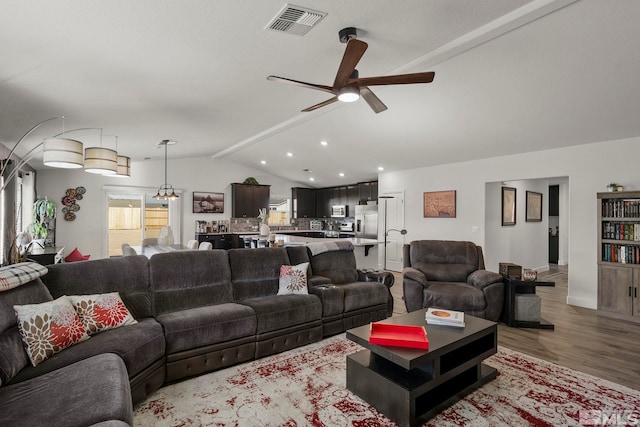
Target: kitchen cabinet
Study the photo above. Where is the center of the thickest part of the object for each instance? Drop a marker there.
(303, 202)
(219, 241)
(247, 199)
(324, 202)
(368, 191)
(353, 199)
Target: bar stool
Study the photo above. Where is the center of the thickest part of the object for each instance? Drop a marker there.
(247, 242)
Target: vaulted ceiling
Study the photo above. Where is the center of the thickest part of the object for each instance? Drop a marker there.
(511, 76)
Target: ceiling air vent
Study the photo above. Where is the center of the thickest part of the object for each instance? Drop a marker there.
(296, 20)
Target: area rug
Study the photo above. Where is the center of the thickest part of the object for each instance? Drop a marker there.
(306, 387)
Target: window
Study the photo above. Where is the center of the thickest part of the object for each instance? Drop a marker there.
(134, 214)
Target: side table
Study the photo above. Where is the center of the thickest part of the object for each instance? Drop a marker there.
(513, 287)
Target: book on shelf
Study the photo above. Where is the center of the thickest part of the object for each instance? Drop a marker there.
(440, 316)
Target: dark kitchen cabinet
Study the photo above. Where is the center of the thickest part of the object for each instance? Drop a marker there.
(219, 241)
(368, 191)
(353, 197)
(303, 202)
(324, 202)
(247, 199)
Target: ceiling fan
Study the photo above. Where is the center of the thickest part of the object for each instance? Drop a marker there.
(348, 86)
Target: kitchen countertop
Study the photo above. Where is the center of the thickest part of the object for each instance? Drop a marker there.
(300, 240)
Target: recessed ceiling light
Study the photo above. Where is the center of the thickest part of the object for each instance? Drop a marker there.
(311, 178)
(341, 174)
(325, 143)
(289, 154)
(264, 162)
(380, 168)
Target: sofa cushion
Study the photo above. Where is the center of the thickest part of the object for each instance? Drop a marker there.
(359, 295)
(293, 279)
(208, 281)
(201, 326)
(280, 312)
(13, 357)
(138, 345)
(89, 392)
(454, 296)
(256, 272)
(338, 266)
(127, 275)
(101, 312)
(48, 328)
(443, 260)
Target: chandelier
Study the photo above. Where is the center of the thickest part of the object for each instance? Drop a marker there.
(166, 191)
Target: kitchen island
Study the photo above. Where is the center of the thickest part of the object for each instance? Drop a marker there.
(365, 250)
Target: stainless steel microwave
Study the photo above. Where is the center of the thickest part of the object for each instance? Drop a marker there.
(338, 211)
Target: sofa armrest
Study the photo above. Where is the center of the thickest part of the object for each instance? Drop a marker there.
(318, 280)
(483, 278)
(415, 275)
(383, 277)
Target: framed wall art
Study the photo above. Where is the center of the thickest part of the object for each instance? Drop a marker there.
(508, 206)
(440, 204)
(208, 202)
(534, 207)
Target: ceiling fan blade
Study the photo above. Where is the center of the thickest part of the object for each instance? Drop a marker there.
(374, 102)
(301, 84)
(352, 54)
(400, 79)
(322, 104)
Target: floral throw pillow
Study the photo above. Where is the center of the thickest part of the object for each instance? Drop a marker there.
(48, 328)
(101, 312)
(293, 279)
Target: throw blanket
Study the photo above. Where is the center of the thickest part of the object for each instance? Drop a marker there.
(15, 275)
(320, 247)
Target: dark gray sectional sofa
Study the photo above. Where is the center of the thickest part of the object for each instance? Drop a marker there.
(197, 311)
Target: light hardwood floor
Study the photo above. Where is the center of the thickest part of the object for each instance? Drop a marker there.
(582, 340)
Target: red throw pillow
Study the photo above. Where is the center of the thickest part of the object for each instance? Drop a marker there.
(76, 256)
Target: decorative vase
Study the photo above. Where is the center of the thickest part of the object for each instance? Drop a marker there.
(264, 230)
(529, 275)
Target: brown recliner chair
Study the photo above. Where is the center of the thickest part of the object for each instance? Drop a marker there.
(451, 275)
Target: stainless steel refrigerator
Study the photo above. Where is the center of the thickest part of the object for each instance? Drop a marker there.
(366, 221)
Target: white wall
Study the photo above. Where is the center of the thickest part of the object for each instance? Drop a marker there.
(589, 169)
(525, 243)
(89, 231)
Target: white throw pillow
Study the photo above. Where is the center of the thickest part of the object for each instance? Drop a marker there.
(293, 279)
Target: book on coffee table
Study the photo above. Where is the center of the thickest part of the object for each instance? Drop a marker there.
(440, 316)
(399, 335)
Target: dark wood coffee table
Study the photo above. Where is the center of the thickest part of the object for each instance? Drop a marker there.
(411, 386)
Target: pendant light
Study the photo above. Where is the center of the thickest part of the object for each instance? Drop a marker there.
(100, 160)
(166, 191)
(123, 166)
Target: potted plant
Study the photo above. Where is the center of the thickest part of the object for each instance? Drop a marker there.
(44, 211)
(614, 186)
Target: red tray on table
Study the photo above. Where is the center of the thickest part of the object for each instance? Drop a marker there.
(399, 335)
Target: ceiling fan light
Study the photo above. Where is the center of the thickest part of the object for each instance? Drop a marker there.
(100, 161)
(348, 94)
(62, 153)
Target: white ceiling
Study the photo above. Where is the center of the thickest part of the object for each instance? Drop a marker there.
(511, 76)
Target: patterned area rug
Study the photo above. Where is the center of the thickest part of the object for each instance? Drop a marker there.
(306, 387)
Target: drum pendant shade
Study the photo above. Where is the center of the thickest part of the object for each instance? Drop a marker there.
(62, 153)
(100, 160)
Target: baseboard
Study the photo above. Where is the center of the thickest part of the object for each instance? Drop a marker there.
(563, 262)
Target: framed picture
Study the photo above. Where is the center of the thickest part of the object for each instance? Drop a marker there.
(440, 204)
(208, 202)
(508, 206)
(534, 206)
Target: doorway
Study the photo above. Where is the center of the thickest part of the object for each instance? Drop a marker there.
(392, 220)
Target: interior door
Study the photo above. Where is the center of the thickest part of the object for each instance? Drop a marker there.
(394, 223)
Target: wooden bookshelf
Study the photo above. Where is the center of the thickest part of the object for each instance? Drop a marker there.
(619, 254)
